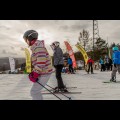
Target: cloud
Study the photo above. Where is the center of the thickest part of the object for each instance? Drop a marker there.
(4, 52)
(11, 32)
(22, 49)
(65, 27)
(75, 26)
(78, 27)
(4, 27)
(8, 52)
(12, 48)
(11, 53)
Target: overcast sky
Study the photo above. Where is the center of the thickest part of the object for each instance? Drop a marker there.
(11, 32)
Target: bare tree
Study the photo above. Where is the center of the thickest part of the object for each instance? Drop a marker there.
(84, 38)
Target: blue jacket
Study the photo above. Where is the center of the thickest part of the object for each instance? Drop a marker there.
(101, 61)
(69, 61)
(116, 57)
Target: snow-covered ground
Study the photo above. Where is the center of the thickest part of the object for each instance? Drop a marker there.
(17, 86)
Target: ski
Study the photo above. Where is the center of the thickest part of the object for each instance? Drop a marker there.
(62, 93)
(111, 82)
(90, 74)
(66, 88)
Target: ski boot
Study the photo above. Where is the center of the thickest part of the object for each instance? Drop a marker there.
(63, 90)
(73, 73)
(113, 79)
(56, 90)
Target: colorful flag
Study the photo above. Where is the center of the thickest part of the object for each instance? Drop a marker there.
(81, 49)
(71, 53)
(12, 64)
(28, 61)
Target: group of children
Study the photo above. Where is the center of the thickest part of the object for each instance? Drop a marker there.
(43, 69)
(41, 62)
(109, 64)
(68, 68)
(106, 63)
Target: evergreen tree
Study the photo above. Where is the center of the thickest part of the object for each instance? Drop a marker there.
(101, 48)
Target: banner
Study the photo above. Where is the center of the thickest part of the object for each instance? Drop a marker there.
(28, 60)
(81, 49)
(12, 64)
(71, 53)
(109, 52)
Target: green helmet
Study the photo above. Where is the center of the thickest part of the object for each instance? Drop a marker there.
(115, 48)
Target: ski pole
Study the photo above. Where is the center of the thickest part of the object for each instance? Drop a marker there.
(60, 93)
(49, 91)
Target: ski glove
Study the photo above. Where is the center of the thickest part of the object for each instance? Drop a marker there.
(33, 76)
(115, 65)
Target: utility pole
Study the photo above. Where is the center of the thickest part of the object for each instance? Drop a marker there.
(95, 34)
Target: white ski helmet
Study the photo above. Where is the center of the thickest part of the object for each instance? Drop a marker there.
(56, 43)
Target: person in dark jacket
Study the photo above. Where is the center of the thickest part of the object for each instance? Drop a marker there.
(101, 61)
(106, 61)
(110, 64)
(58, 64)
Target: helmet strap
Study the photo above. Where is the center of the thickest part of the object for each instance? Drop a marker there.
(32, 42)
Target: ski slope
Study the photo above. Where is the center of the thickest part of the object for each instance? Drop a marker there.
(17, 86)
